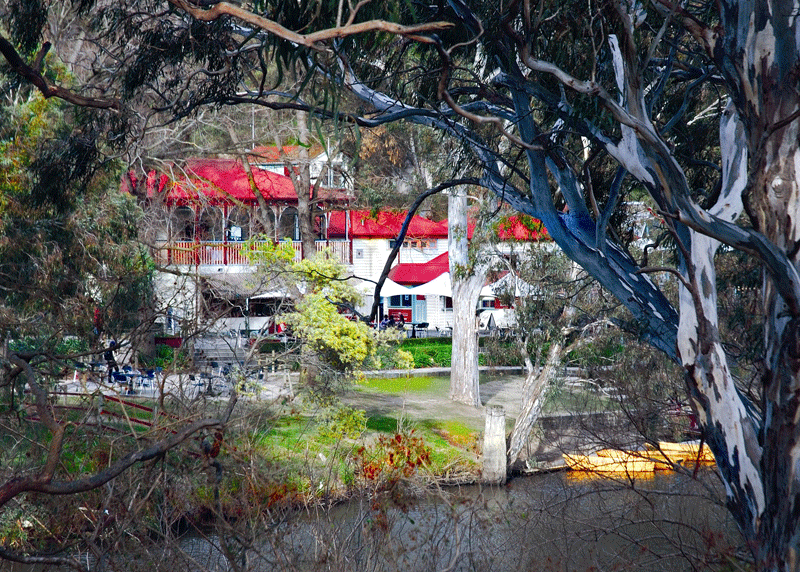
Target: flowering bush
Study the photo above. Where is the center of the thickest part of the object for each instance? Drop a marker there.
(392, 458)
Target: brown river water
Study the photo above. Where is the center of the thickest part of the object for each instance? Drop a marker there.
(547, 522)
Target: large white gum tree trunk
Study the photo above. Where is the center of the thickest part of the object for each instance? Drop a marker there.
(757, 452)
(700, 348)
(467, 278)
(770, 108)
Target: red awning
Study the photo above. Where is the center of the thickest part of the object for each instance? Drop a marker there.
(421, 273)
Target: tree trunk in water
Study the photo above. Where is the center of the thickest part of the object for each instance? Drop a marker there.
(467, 280)
(534, 390)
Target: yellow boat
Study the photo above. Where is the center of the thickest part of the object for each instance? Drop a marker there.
(661, 462)
(685, 453)
(612, 463)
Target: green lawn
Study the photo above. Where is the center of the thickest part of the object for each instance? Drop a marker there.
(429, 352)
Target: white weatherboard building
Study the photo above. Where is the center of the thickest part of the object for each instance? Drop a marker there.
(207, 210)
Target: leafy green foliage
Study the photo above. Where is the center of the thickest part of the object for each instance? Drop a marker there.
(344, 422)
(334, 343)
(167, 358)
(343, 344)
(28, 18)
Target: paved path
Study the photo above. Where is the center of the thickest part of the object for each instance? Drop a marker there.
(506, 391)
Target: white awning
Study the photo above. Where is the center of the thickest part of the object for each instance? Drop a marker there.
(272, 294)
(389, 288)
(439, 286)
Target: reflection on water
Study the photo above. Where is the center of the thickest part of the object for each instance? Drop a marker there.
(548, 522)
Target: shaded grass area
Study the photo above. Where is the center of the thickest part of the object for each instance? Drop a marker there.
(343, 430)
(323, 448)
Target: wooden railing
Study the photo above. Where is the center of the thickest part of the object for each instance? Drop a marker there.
(190, 253)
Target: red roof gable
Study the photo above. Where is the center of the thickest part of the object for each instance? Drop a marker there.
(420, 273)
(385, 224)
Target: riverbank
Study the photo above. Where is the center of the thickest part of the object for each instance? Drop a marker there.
(287, 449)
(392, 400)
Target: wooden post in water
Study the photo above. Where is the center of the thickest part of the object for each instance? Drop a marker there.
(494, 446)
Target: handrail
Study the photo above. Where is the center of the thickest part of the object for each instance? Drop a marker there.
(207, 252)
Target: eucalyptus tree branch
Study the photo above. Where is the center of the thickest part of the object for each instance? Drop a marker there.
(574, 232)
(445, 96)
(668, 269)
(48, 90)
(314, 40)
(46, 415)
(31, 560)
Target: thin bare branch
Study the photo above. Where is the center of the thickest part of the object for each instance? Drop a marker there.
(314, 40)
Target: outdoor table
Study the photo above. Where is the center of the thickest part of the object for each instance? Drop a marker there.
(423, 327)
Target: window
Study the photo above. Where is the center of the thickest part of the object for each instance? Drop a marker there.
(335, 178)
(402, 301)
(415, 243)
(447, 302)
(183, 220)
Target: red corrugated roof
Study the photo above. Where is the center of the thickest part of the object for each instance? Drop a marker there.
(224, 180)
(219, 180)
(521, 227)
(420, 273)
(385, 224)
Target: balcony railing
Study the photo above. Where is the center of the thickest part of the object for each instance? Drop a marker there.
(190, 253)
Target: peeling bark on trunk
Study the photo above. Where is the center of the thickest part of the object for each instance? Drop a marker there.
(467, 279)
(755, 49)
(301, 178)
